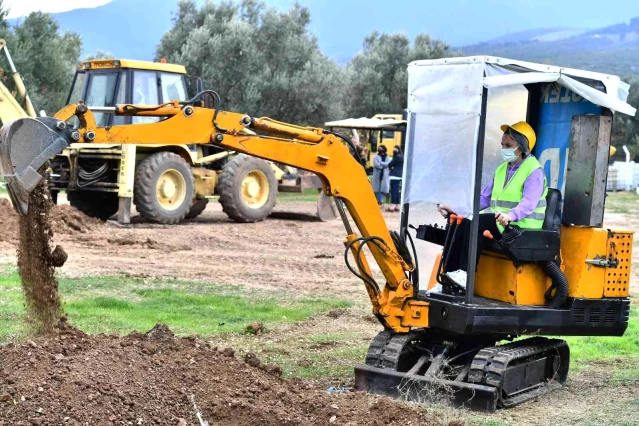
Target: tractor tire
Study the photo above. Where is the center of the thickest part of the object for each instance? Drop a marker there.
(247, 188)
(197, 208)
(164, 188)
(101, 205)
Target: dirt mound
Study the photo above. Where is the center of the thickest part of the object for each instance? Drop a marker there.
(64, 220)
(155, 378)
(69, 220)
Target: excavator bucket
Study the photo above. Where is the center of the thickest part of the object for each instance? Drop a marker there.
(26, 145)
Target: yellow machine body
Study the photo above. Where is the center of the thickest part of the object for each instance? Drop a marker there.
(497, 278)
(586, 280)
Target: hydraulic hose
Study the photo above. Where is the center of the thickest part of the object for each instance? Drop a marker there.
(559, 284)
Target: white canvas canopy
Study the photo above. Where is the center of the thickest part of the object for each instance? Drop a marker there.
(366, 123)
(500, 72)
(444, 107)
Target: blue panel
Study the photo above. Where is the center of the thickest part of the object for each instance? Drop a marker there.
(558, 106)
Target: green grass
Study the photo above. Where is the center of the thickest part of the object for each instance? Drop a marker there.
(626, 375)
(121, 305)
(487, 422)
(309, 194)
(622, 202)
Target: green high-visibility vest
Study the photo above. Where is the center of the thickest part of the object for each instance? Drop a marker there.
(507, 195)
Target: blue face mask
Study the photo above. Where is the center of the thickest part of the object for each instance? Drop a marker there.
(508, 154)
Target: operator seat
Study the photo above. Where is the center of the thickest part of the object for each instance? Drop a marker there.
(552, 220)
(536, 245)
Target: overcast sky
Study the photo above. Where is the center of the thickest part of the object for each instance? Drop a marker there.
(19, 8)
(342, 24)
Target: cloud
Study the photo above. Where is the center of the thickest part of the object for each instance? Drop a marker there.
(18, 8)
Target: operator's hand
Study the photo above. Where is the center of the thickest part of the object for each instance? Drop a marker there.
(444, 210)
(502, 218)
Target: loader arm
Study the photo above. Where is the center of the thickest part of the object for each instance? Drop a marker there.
(312, 149)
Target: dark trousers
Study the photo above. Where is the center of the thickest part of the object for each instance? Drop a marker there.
(458, 253)
(395, 190)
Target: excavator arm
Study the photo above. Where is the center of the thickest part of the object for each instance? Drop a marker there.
(27, 144)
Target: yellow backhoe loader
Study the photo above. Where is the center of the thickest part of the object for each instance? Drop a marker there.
(105, 180)
(569, 278)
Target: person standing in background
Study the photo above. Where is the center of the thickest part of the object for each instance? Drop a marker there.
(363, 154)
(396, 167)
(381, 175)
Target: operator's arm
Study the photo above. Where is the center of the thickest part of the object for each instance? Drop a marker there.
(484, 201)
(486, 194)
(533, 189)
(394, 162)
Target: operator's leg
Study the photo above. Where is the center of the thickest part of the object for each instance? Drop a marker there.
(457, 259)
(487, 222)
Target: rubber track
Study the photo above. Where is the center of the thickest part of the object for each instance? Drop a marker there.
(377, 347)
(393, 350)
(144, 180)
(386, 348)
(490, 364)
(481, 362)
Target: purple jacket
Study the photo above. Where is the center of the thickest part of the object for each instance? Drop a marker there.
(533, 188)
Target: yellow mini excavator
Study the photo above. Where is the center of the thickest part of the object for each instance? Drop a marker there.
(569, 278)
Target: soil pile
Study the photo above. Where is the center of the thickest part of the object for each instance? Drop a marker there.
(153, 379)
(69, 220)
(37, 262)
(65, 220)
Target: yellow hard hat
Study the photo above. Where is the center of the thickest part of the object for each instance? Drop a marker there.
(612, 150)
(525, 129)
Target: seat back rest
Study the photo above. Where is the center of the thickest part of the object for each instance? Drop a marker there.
(552, 220)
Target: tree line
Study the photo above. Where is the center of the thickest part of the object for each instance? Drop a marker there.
(259, 59)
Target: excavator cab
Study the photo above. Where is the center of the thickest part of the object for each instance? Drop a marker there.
(571, 112)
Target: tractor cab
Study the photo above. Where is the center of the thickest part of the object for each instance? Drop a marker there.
(455, 109)
(107, 82)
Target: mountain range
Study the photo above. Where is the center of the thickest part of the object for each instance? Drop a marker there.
(133, 28)
(612, 49)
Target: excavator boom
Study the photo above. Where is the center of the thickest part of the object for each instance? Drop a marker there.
(27, 144)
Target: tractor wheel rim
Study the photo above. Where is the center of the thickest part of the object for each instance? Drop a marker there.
(171, 189)
(255, 189)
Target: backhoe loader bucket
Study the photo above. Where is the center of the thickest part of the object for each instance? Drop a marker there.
(26, 145)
